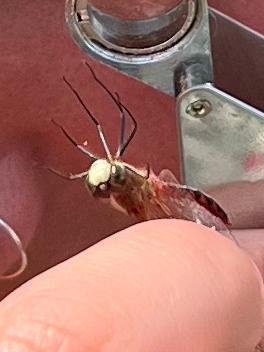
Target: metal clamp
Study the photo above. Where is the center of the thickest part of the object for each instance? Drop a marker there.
(219, 135)
(173, 52)
(183, 49)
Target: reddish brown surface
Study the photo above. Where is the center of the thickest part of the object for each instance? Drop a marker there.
(56, 218)
(250, 13)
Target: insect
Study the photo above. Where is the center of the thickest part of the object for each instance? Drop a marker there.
(139, 192)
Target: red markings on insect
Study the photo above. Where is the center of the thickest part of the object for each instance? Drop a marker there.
(138, 192)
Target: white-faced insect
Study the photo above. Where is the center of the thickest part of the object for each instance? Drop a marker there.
(140, 192)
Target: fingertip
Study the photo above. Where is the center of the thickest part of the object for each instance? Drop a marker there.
(157, 286)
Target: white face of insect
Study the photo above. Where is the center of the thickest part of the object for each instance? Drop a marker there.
(105, 177)
(99, 172)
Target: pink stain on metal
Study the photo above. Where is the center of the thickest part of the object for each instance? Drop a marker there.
(254, 161)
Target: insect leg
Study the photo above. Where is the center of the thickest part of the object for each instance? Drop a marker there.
(92, 117)
(120, 107)
(133, 132)
(148, 171)
(122, 127)
(122, 145)
(80, 147)
(68, 176)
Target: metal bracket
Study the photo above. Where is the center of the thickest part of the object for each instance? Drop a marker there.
(219, 135)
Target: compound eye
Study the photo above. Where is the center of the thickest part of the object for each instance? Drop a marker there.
(102, 190)
(117, 174)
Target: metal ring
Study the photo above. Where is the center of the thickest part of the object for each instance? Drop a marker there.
(91, 29)
(24, 261)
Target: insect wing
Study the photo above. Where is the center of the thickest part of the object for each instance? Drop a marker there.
(167, 176)
(181, 202)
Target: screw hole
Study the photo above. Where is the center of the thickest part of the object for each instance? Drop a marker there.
(199, 108)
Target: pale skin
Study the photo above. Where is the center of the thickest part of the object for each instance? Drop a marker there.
(162, 285)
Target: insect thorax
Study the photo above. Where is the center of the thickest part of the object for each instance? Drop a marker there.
(117, 179)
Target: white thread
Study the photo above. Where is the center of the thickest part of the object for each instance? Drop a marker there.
(8, 229)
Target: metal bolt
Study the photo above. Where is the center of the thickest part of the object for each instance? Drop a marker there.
(199, 108)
